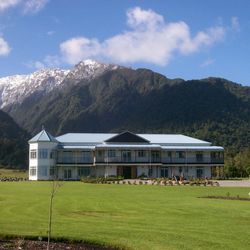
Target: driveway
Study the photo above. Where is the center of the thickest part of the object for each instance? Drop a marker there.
(245, 183)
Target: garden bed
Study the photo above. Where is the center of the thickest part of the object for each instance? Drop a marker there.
(226, 198)
(26, 244)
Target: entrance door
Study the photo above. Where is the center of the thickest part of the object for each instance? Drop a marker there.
(127, 172)
(67, 174)
(134, 172)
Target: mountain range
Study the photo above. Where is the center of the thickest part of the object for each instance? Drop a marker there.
(98, 97)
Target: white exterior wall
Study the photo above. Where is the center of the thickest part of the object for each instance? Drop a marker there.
(42, 165)
(33, 163)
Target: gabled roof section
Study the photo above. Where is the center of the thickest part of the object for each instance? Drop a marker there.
(43, 136)
(127, 137)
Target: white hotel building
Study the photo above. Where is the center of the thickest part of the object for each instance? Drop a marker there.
(74, 155)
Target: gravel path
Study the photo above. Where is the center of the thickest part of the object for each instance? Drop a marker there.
(245, 183)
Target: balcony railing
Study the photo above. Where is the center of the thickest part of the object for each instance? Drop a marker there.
(192, 160)
(132, 159)
(75, 160)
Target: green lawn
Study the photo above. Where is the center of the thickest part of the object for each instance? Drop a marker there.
(136, 217)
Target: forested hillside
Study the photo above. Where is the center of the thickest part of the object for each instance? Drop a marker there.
(13, 143)
(143, 101)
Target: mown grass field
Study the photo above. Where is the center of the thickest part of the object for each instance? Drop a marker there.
(135, 217)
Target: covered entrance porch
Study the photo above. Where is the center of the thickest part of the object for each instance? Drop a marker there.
(128, 172)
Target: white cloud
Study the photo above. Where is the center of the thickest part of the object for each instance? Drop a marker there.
(78, 48)
(52, 61)
(150, 39)
(33, 6)
(207, 63)
(4, 47)
(37, 65)
(137, 17)
(28, 6)
(235, 24)
(6, 4)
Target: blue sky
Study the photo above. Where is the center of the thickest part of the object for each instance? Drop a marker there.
(187, 39)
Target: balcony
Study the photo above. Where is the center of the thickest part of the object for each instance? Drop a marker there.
(192, 160)
(75, 160)
(132, 159)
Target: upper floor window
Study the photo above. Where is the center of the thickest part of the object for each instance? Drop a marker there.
(199, 156)
(217, 155)
(111, 153)
(155, 154)
(43, 153)
(180, 154)
(100, 153)
(33, 154)
(141, 153)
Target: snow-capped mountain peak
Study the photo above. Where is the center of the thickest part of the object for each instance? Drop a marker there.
(88, 69)
(14, 89)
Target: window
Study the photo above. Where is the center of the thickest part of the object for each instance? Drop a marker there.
(217, 155)
(169, 154)
(83, 171)
(126, 156)
(199, 156)
(43, 153)
(33, 154)
(141, 153)
(180, 154)
(155, 156)
(100, 153)
(150, 172)
(32, 171)
(42, 170)
(67, 157)
(199, 172)
(164, 172)
(83, 156)
(180, 170)
(67, 174)
(111, 153)
(52, 154)
(52, 171)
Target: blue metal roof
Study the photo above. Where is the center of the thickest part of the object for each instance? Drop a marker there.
(43, 136)
(162, 139)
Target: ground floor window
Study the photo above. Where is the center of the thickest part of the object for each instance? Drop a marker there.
(150, 172)
(199, 172)
(67, 174)
(164, 172)
(83, 171)
(42, 170)
(32, 171)
(52, 171)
